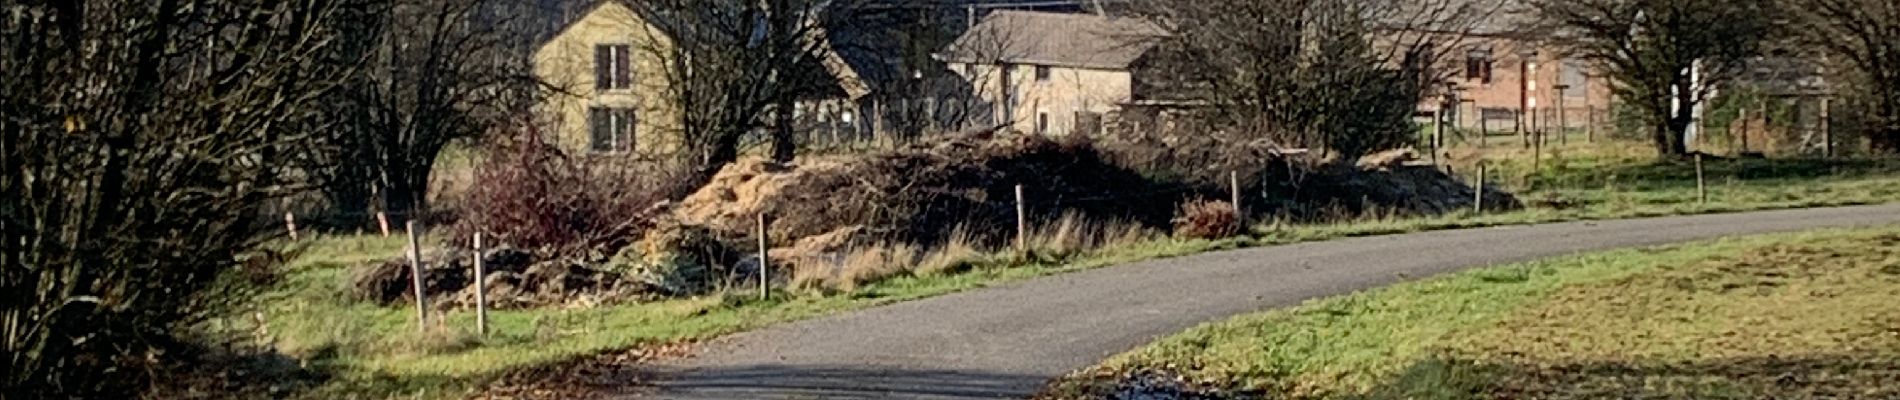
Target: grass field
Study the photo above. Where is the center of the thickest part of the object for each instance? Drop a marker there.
(377, 352)
(1786, 316)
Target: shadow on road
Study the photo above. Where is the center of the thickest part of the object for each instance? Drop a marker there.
(842, 382)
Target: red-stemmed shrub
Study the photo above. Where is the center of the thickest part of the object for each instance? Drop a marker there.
(1206, 219)
(531, 195)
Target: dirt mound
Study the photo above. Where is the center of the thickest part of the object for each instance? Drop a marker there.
(917, 194)
(550, 283)
(677, 259)
(823, 207)
(515, 279)
(1399, 189)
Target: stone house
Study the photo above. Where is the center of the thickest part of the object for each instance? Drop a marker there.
(606, 63)
(1052, 73)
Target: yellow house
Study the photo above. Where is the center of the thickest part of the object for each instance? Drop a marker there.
(612, 97)
(607, 72)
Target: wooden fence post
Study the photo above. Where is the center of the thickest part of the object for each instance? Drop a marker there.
(1477, 202)
(1438, 132)
(382, 222)
(481, 288)
(1701, 187)
(415, 276)
(1233, 185)
(1022, 221)
(1827, 131)
(1484, 129)
(1537, 158)
(1589, 124)
(1563, 122)
(290, 223)
(765, 263)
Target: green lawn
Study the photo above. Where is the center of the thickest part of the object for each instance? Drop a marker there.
(376, 352)
(1783, 316)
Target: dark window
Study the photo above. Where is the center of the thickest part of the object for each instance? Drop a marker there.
(612, 129)
(1042, 123)
(613, 67)
(1478, 66)
(1088, 123)
(1042, 73)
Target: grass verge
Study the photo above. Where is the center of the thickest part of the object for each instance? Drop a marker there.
(1782, 316)
(377, 352)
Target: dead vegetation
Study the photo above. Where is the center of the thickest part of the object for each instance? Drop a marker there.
(839, 222)
(1206, 219)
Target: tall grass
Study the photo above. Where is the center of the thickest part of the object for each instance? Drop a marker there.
(1066, 238)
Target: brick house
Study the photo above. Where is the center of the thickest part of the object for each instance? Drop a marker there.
(1504, 79)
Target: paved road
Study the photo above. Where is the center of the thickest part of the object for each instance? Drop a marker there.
(1006, 341)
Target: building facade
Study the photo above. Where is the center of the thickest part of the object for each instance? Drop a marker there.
(1505, 82)
(1051, 73)
(609, 97)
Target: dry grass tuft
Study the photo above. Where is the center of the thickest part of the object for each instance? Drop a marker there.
(1067, 238)
(961, 252)
(436, 340)
(858, 267)
(1074, 235)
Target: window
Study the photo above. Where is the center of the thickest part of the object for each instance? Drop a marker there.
(613, 67)
(1088, 123)
(1478, 65)
(612, 129)
(1042, 122)
(1574, 78)
(1042, 73)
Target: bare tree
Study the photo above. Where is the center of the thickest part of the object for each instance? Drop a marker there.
(1345, 75)
(728, 63)
(1664, 57)
(1864, 36)
(141, 140)
(437, 71)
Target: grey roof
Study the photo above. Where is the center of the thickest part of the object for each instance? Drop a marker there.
(870, 40)
(1056, 39)
(1475, 17)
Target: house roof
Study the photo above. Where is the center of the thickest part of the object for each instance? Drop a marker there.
(1055, 39)
(869, 40)
(1473, 17)
(864, 59)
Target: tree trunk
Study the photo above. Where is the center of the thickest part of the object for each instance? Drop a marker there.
(406, 192)
(1668, 138)
(784, 147)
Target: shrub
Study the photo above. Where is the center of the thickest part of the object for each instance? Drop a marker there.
(532, 196)
(1206, 219)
